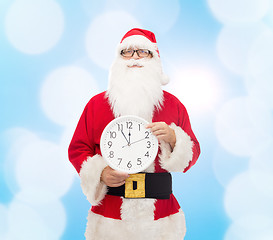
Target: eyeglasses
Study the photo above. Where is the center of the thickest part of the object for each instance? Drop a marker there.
(131, 52)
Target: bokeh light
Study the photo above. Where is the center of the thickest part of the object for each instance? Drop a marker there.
(40, 222)
(234, 44)
(42, 156)
(239, 11)
(3, 221)
(243, 125)
(251, 227)
(34, 26)
(18, 139)
(164, 12)
(65, 92)
(199, 99)
(261, 87)
(242, 195)
(223, 165)
(104, 33)
(261, 170)
(260, 59)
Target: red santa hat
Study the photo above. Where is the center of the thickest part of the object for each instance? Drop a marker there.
(140, 38)
(145, 39)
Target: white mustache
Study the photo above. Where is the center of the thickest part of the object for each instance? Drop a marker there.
(133, 62)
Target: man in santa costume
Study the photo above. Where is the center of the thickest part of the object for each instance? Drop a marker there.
(135, 88)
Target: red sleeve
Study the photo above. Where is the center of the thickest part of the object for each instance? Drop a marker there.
(184, 123)
(81, 145)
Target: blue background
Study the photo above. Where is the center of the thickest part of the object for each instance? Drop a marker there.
(190, 35)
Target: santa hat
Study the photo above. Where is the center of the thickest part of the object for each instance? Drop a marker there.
(145, 39)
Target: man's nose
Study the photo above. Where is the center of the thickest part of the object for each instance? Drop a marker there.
(135, 56)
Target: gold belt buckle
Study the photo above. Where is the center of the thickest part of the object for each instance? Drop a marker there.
(137, 179)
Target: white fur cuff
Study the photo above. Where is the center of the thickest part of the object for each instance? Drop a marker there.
(90, 173)
(178, 159)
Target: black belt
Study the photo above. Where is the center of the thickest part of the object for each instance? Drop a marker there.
(145, 185)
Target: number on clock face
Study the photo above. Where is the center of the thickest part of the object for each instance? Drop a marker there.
(127, 145)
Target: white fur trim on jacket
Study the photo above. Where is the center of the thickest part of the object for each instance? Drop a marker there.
(90, 173)
(172, 227)
(178, 159)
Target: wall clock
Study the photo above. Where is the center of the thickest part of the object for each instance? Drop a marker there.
(127, 145)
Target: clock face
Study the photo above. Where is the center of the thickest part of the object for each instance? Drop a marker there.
(127, 145)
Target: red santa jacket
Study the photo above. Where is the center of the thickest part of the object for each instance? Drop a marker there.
(85, 147)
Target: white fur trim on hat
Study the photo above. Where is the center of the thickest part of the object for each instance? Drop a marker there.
(178, 159)
(90, 174)
(140, 42)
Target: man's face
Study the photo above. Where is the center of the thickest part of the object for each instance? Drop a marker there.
(135, 83)
(136, 54)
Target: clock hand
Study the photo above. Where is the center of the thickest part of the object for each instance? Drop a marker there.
(129, 137)
(134, 142)
(125, 137)
(138, 141)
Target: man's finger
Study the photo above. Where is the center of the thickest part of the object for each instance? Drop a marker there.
(150, 125)
(120, 174)
(116, 184)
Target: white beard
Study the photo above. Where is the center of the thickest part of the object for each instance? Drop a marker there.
(135, 91)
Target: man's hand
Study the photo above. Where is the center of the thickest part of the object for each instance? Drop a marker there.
(163, 132)
(113, 178)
